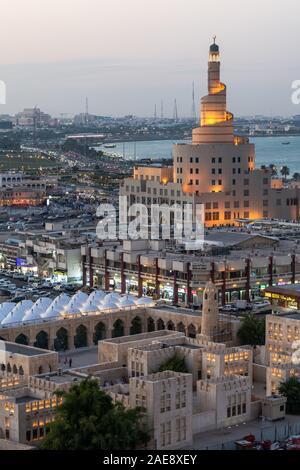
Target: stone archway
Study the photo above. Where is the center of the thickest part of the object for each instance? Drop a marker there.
(192, 331)
(61, 341)
(41, 340)
(181, 327)
(118, 329)
(22, 339)
(170, 325)
(136, 326)
(80, 338)
(150, 324)
(160, 324)
(21, 370)
(99, 332)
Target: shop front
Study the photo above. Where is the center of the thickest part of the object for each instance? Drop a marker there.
(287, 296)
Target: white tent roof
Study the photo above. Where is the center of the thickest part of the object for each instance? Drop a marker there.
(37, 309)
(5, 308)
(57, 307)
(144, 301)
(111, 297)
(77, 300)
(96, 295)
(109, 304)
(17, 314)
(73, 311)
(126, 301)
(91, 306)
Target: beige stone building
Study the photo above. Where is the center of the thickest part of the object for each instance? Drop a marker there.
(167, 398)
(282, 345)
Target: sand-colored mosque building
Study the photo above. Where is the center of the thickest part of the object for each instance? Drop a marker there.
(216, 169)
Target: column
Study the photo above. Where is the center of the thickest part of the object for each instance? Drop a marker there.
(123, 278)
(51, 338)
(224, 286)
(270, 271)
(91, 268)
(90, 334)
(175, 290)
(157, 290)
(106, 275)
(140, 280)
(248, 280)
(189, 288)
(83, 270)
(293, 269)
(212, 272)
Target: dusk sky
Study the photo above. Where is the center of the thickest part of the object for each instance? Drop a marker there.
(127, 55)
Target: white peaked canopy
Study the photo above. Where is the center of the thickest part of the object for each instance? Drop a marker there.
(61, 300)
(112, 297)
(77, 301)
(37, 309)
(90, 306)
(96, 295)
(5, 308)
(17, 314)
(126, 302)
(73, 311)
(145, 301)
(57, 307)
(131, 297)
(93, 302)
(109, 305)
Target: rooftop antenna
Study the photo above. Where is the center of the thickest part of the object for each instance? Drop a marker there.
(193, 103)
(155, 112)
(34, 125)
(86, 109)
(175, 112)
(161, 109)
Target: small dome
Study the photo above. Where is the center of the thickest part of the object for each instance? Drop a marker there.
(214, 48)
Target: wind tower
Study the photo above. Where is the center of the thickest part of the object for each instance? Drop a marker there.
(210, 311)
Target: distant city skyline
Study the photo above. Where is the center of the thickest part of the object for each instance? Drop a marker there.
(57, 53)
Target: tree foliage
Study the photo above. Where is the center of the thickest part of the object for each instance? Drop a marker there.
(252, 330)
(285, 171)
(291, 390)
(175, 363)
(89, 420)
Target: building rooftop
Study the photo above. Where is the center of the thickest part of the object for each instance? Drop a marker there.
(21, 349)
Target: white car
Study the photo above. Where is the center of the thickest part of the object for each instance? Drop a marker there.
(261, 304)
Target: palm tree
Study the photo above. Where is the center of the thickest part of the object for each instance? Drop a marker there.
(291, 390)
(285, 171)
(273, 169)
(296, 176)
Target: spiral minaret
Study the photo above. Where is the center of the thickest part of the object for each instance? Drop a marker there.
(216, 123)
